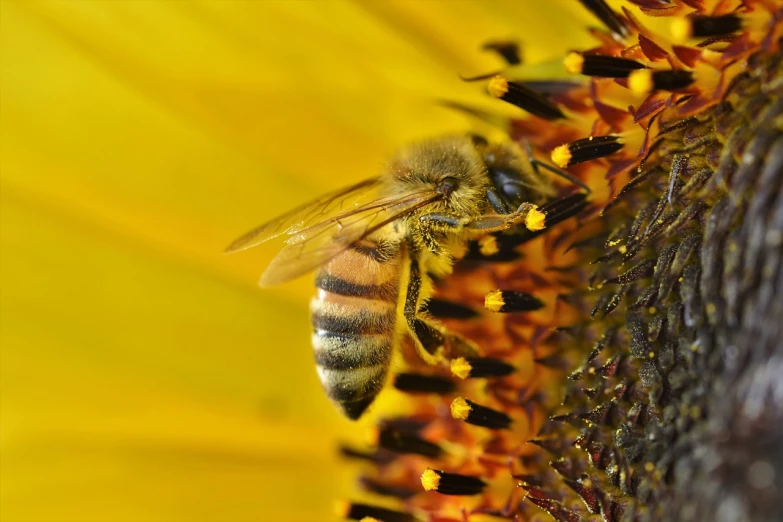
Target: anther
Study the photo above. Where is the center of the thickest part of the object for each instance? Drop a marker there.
(488, 246)
(399, 442)
(386, 489)
(609, 18)
(702, 26)
(600, 65)
(443, 309)
(586, 149)
(420, 383)
(524, 98)
(508, 50)
(355, 511)
(535, 220)
(509, 301)
(480, 367)
(451, 483)
(376, 457)
(478, 415)
(647, 80)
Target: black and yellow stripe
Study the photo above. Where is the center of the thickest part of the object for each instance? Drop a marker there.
(353, 318)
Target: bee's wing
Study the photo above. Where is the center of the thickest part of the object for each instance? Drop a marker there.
(320, 210)
(322, 242)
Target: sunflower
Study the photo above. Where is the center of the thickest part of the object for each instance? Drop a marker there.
(144, 376)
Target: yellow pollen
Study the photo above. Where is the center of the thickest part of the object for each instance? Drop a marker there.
(535, 220)
(492, 301)
(641, 81)
(573, 63)
(369, 519)
(561, 156)
(651, 355)
(461, 368)
(342, 508)
(652, 310)
(623, 249)
(373, 436)
(488, 246)
(710, 56)
(430, 480)
(497, 87)
(681, 29)
(460, 409)
(649, 467)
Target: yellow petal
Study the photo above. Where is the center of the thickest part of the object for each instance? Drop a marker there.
(138, 382)
(144, 376)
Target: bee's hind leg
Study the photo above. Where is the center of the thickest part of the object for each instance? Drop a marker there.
(434, 342)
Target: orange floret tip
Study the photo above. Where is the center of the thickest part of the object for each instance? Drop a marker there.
(460, 409)
(561, 156)
(498, 86)
(460, 367)
(535, 220)
(573, 63)
(430, 480)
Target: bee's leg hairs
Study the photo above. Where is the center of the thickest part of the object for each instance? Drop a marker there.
(480, 225)
(433, 340)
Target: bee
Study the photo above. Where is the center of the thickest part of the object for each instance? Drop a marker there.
(378, 244)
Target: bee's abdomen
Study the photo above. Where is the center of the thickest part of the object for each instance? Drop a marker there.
(353, 317)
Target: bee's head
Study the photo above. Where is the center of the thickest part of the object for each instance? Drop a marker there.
(451, 166)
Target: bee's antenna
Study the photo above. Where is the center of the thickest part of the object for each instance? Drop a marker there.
(563, 174)
(551, 168)
(479, 77)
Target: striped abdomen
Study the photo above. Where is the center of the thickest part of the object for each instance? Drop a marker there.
(354, 315)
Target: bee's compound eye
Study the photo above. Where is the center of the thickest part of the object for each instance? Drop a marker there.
(478, 140)
(513, 191)
(448, 185)
(509, 186)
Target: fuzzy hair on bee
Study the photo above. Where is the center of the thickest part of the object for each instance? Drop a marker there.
(377, 243)
(451, 165)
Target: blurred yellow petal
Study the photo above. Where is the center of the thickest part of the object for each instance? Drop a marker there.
(144, 376)
(120, 365)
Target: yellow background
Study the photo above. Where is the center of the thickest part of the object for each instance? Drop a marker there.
(144, 376)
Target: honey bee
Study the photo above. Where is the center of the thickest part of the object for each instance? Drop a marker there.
(391, 232)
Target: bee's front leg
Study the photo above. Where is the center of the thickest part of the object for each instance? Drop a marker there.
(434, 342)
(486, 224)
(433, 229)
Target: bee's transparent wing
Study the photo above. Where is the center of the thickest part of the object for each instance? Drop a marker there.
(320, 210)
(320, 243)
